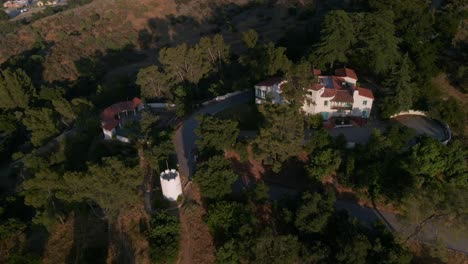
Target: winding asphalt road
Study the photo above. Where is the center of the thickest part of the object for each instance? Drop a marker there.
(185, 142)
(185, 136)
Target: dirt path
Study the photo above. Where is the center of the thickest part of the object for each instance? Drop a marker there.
(196, 243)
(448, 90)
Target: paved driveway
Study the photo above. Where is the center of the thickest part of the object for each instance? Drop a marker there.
(185, 136)
(359, 135)
(423, 125)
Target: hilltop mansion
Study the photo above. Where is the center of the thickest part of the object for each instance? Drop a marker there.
(335, 95)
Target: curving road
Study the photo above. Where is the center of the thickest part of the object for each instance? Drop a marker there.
(185, 142)
(185, 136)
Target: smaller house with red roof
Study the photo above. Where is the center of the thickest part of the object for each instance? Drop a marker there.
(115, 116)
(330, 95)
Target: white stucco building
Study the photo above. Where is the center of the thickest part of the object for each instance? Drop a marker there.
(112, 118)
(269, 90)
(334, 95)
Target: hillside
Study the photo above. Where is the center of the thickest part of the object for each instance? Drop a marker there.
(93, 29)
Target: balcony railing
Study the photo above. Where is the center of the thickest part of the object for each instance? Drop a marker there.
(341, 106)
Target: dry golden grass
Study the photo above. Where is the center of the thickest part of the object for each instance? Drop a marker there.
(112, 25)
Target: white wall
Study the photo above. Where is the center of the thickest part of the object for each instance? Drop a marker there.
(171, 186)
(317, 103)
(273, 93)
(410, 112)
(108, 134)
(122, 139)
(359, 107)
(349, 80)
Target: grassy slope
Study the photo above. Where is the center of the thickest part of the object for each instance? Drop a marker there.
(102, 25)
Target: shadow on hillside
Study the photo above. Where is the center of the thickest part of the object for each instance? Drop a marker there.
(90, 239)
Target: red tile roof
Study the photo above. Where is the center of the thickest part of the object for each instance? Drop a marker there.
(316, 72)
(328, 93)
(365, 92)
(270, 82)
(108, 119)
(345, 72)
(316, 87)
(343, 96)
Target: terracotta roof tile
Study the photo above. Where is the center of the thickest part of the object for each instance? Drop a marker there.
(366, 92)
(270, 82)
(343, 96)
(108, 120)
(316, 87)
(328, 93)
(316, 72)
(345, 72)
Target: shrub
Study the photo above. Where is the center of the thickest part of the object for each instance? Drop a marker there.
(164, 238)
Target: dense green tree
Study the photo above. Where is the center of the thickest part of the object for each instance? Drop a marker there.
(250, 38)
(317, 252)
(228, 253)
(320, 139)
(12, 237)
(450, 111)
(399, 90)
(314, 121)
(354, 251)
(15, 89)
(215, 134)
(337, 36)
(69, 111)
(323, 163)
(413, 23)
(184, 63)
(215, 50)
(8, 126)
(164, 237)
(3, 15)
(385, 248)
(281, 135)
(314, 212)
(41, 123)
(426, 161)
(215, 177)
(378, 43)
(159, 150)
(111, 185)
(153, 82)
(271, 249)
(182, 101)
(456, 165)
(265, 61)
(298, 78)
(228, 220)
(274, 60)
(147, 122)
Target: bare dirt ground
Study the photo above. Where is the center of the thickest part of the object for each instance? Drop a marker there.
(196, 242)
(250, 170)
(422, 255)
(347, 193)
(448, 90)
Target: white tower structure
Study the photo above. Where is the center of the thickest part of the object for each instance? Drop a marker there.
(170, 184)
